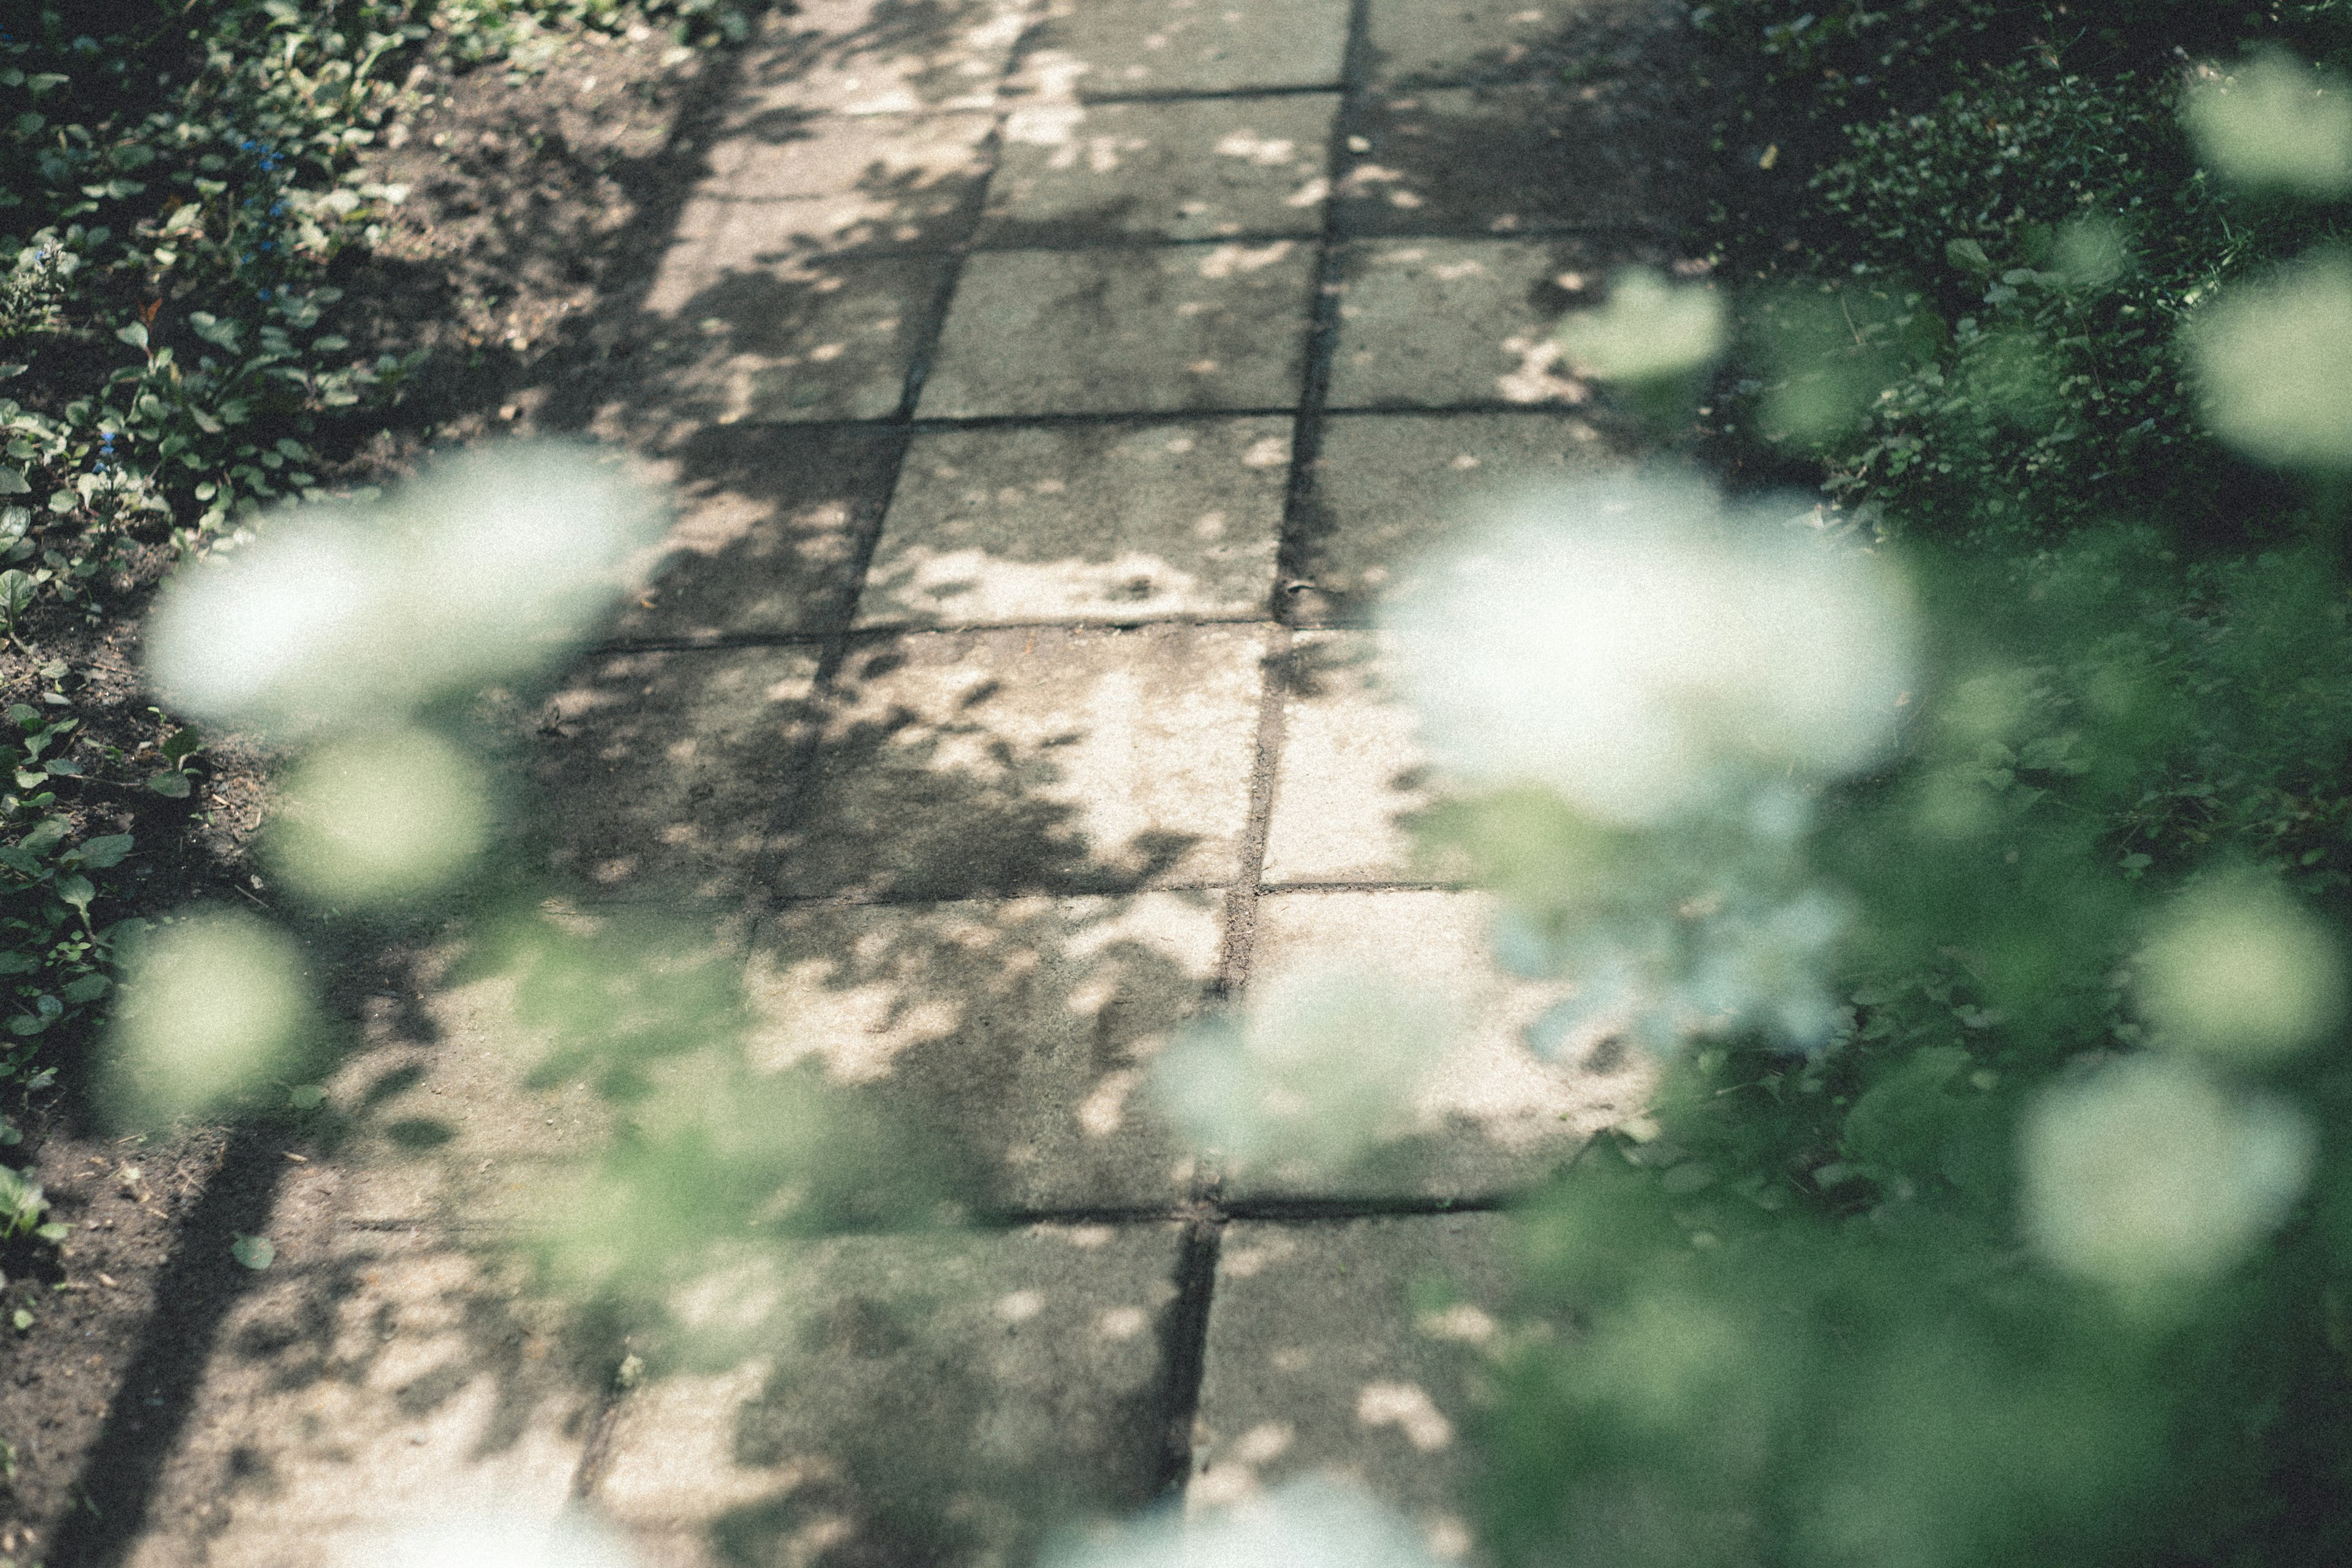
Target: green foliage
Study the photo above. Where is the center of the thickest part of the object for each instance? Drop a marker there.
(1820, 1309)
(22, 1208)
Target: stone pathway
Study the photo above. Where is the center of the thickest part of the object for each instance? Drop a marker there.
(1053, 389)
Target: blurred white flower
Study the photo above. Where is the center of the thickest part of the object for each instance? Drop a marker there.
(1647, 329)
(2148, 1172)
(1306, 1523)
(2273, 362)
(2236, 968)
(2275, 123)
(1319, 1065)
(212, 1004)
(487, 569)
(493, 1541)
(377, 817)
(1647, 655)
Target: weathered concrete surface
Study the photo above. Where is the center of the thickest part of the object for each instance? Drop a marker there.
(1352, 770)
(901, 1400)
(1392, 490)
(877, 56)
(1491, 1118)
(368, 1379)
(957, 764)
(1109, 46)
(1008, 525)
(1431, 322)
(1160, 330)
(661, 770)
(1016, 1038)
(791, 339)
(1193, 169)
(1350, 1348)
(970, 741)
(767, 531)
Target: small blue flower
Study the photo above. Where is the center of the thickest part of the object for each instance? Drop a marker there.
(269, 244)
(262, 294)
(276, 207)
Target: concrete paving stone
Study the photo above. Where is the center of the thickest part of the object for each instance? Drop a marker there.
(1008, 524)
(1352, 772)
(766, 532)
(657, 772)
(1390, 490)
(1497, 160)
(1193, 169)
(1351, 1349)
(877, 56)
(439, 1117)
(1155, 329)
(1031, 759)
(789, 339)
(943, 1399)
(366, 1381)
(1491, 1118)
(1013, 1035)
(1103, 48)
(815, 185)
(1421, 42)
(1440, 323)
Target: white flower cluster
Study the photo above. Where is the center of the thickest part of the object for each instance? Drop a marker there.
(1318, 1066)
(1306, 1523)
(338, 616)
(2148, 1172)
(1649, 654)
(1679, 672)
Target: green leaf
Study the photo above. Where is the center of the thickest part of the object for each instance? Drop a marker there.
(106, 850)
(88, 988)
(135, 334)
(182, 743)
(1969, 255)
(13, 482)
(77, 890)
(14, 961)
(174, 786)
(56, 1230)
(254, 1252)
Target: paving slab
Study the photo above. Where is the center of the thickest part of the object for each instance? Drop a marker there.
(1008, 524)
(1450, 323)
(1102, 48)
(1352, 1349)
(1498, 159)
(875, 1400)
(367, 1380)
(1191, 169)
(1146, 329)
(877, 56)
(1352, 770)
(787, 339)
(659, 771)
(1491, 1118)
(767, 525)
(821, 184)
(1026, 760)
(1421, 42)
(1392, 490)
(1013, 1036)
